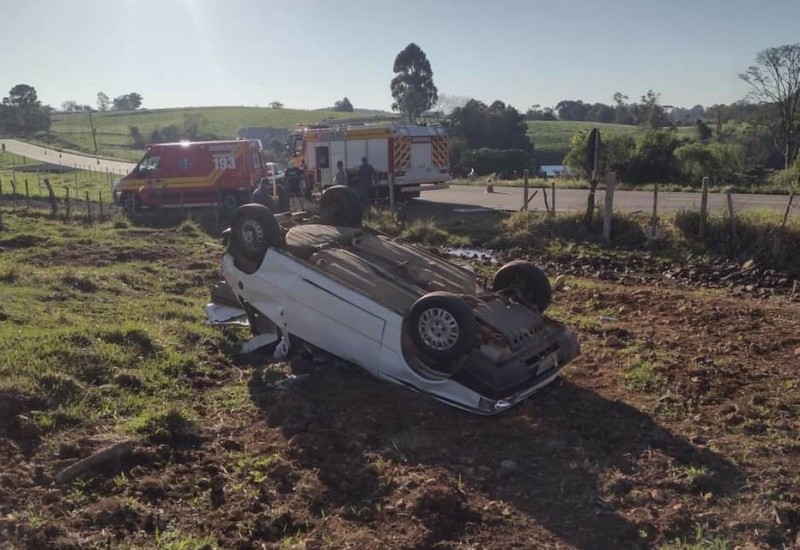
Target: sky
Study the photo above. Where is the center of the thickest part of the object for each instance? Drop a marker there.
(308, 54)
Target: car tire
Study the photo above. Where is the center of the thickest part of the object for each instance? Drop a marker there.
(230, 201)
(529, 283)
(129, 202)
(254, 230)
(341, 206)
(442, 326)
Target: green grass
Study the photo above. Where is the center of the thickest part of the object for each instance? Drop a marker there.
(73, 131)
(554, 135)
(19, 169)
(104, 324)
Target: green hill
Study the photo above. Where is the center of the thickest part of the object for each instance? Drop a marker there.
(73, 130)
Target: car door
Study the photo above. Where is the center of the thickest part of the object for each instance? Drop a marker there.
(335, 319)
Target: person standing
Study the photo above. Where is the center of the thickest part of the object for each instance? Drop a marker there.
(340, 178)
(366, 179)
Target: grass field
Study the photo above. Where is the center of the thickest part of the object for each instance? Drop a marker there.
(554, 136)
(676, 428)
(73, 131)
(21, 169)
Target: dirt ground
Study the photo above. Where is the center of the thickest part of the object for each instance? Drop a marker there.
(678, 427)
(706, 444)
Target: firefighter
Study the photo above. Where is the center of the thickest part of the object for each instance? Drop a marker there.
(340, 178)
(366, 180)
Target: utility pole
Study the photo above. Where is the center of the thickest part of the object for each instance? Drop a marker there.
(94, 132)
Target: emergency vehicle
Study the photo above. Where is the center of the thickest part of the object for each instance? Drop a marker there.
(414, 156)
(193, 173)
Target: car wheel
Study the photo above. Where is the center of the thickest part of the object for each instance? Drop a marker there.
(254, 230)
(230, 201)
(129, 202)
(527, 283)
(442, 326)
(341, 206)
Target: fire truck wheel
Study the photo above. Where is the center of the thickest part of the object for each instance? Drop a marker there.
(230, 201)
(526, 282)
(254, 230)
(341, 206)
(129, 202)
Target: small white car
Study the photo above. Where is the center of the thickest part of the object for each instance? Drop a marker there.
(403, 314)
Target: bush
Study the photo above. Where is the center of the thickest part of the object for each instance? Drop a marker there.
(788, 179)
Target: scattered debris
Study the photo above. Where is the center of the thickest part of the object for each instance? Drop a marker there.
(115, 452)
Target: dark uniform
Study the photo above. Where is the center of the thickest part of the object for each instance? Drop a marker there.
(366, 180)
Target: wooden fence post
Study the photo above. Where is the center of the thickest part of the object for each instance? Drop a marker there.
(27, 195)
(611, 182)
(546, 205)
(391, 192)
(66, 204)
(788, 207)
(14, 192)
(553, 190)
(703, 209)
(525, 191)
(655, 209)
(100, 201)
(731, 219)
(52, 197)
(88, 208)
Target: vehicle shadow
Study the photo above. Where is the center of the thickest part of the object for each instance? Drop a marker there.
(549, 464)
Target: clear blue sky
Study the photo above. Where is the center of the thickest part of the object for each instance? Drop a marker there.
(308, 53)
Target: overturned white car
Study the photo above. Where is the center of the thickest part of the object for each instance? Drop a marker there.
(401, 313)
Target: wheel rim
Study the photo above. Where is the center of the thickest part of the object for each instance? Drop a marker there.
(438, 329)
(252, 234)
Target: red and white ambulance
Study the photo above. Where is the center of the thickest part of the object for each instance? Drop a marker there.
(193, 173)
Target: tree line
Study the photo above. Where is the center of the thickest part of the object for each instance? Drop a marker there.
(737, 142)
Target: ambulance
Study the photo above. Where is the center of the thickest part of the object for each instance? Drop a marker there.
(415, 157)
(193, 173)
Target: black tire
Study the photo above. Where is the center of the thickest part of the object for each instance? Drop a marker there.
(341, 206)
(129, 202)
(254, 230)
(442, 326)
(230, 201)
(529, 283)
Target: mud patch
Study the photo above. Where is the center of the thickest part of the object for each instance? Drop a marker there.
(23, 241)
(13, 405)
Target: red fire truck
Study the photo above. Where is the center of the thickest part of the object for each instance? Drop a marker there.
(193, 173)
(414, 157)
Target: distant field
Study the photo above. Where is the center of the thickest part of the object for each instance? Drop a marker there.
(73, 130)
(553, 136)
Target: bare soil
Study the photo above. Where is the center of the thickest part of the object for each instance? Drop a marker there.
(701, 446)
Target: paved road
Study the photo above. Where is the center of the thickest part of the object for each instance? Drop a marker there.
(510, 198)
(53, 156)
(465, 196)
